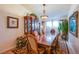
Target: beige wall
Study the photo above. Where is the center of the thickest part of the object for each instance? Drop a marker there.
(7, 35)
(73, 42)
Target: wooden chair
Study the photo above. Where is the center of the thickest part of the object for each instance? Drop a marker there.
(33, 45)
(54, 45)
(36, 36)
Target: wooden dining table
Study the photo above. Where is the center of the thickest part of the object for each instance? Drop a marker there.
(48, 43)
(49, 39)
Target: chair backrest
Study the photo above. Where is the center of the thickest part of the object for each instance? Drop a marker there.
(36, 35)
(55, 41)
(33, 42)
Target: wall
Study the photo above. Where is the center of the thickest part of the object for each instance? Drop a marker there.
(7, 35)
(73, 42)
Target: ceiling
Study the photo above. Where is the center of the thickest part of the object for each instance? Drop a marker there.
(54, 11)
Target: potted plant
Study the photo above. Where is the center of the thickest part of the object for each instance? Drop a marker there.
(63, 28)
(33, 14)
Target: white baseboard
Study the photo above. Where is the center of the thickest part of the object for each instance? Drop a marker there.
(2, 51)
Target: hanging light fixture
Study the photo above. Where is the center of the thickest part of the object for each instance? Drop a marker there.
(44, 16)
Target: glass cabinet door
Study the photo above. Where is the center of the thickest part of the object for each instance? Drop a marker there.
(25, 25)
(29, 25)
(33, 25)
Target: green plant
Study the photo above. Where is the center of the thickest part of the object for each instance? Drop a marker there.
(63, 27)
(59, 28)
(33, 14)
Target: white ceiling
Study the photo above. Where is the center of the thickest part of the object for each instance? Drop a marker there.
(54, 11)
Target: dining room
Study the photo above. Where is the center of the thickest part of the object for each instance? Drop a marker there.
(37, 29)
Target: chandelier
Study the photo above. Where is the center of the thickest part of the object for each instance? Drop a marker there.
(44, 16)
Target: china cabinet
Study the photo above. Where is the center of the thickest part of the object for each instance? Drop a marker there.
(29, 24)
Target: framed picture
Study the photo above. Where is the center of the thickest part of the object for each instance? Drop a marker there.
(12, 22)
(73, 24)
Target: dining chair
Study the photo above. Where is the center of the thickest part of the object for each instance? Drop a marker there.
(33, 44)
(36, 36)
(55, 46)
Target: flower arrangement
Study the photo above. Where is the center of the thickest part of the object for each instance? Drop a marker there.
(20, 42)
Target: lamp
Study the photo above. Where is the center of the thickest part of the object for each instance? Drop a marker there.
(44, 16)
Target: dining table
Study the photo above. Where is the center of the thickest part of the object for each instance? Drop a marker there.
(48, 43)
(49, 39)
